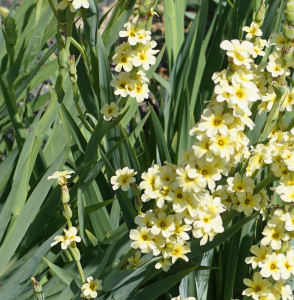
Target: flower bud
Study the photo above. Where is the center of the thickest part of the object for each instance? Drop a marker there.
(288, 53)
(288, 32)
(289, 12)
(290, 5)
(259, 16)
(67, 211)
(75, 252)
(138, 204)
(72, 65)
(145, 7)
(64, 194)
(38, 291)
(10, 30)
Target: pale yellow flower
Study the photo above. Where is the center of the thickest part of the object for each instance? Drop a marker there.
(91, 289)
(164, 265)
(62, 176)
(274, 235)
(142, 238)
(123, 179)
(257, 287)
(109, 111)
(135, 260)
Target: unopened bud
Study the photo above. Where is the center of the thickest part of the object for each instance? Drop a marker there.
(288, 32)
(64, 194)
(72, 69)
(75, 252)
(72, 65)
(138, 204)
(145, 8)
(259, 16)
(136, 190)
(67, 211)
(290, 5)
(36, 286)
(288, 53)
(10, 30)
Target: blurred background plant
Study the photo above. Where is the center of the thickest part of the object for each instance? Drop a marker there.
(45, 126)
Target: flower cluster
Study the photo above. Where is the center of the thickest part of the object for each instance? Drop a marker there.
(133, 56)
(271, 72)
(68, 241)
(273, 259)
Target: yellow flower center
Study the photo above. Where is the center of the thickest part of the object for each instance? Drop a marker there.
(162, 224)
(122, 85)
(247, 201)
(273, 266)
(239, 188)
(204, 172)
(216, 122)
(221, 142)
(144, 237)
(239, 94)
(92, 286)
(179, 196)
(176, 251)
(205, 220)
(276, 235)
(124, 60)
(257, 289)
(110, 111)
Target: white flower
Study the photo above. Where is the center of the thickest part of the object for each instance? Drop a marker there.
(131, 33)
(140, 91)
(89, 289)
(110, 111)
(64, 3)
(80, 4)
(69, 237)
(253, 31)
(123, 179)
(164, 265)
(239, 52)
(62, 176)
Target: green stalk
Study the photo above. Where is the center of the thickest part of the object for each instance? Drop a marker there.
(81, 272)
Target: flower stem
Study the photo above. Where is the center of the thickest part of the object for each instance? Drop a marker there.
(81, 272)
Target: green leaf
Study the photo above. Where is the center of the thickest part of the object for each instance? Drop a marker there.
(35, 42)
(110, 35)
(92, 208)
(91, 18)
(65, 276)
(154, 290)
(28, 213)
(160, 139)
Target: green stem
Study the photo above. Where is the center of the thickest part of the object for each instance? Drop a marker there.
(67, 255)
(68, 30)
(81, 272)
